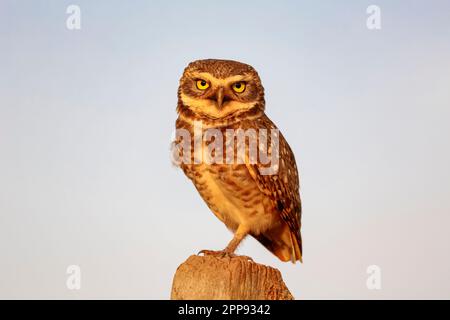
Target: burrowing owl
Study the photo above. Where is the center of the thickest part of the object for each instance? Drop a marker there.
(226, 97)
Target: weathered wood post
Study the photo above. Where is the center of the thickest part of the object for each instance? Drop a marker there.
(225, 278)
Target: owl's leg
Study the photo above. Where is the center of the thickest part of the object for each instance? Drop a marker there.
(239, 235)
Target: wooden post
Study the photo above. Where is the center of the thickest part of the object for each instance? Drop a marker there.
(237, 278)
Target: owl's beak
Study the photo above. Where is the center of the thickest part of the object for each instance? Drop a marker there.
(219, 97)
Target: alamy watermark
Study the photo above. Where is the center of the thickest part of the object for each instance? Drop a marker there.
(373, 282)
(73, 281)
(73, 21)
(228, 146)
(373, 21)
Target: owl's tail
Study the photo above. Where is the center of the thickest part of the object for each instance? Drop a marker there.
(296, 240)
(286, 245)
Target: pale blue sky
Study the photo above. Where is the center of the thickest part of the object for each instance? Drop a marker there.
(86, 118)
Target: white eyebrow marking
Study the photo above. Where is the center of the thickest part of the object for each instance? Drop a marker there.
(220, 82)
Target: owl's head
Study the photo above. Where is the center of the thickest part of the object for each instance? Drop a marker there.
(220, 88)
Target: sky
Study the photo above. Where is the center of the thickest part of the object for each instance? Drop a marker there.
(86, 118)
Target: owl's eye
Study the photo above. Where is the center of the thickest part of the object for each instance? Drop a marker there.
(202, 84)
(239, 87)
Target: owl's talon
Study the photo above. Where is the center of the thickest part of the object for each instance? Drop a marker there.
(213, 253)
(245, 258)
(223, 254)
(209, 253)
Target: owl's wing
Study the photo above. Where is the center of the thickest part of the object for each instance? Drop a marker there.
(282, 187)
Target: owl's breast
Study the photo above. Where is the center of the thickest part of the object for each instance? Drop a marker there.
(233, 196)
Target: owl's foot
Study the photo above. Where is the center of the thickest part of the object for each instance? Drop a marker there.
(223, 254)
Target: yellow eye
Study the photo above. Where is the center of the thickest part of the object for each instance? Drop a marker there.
(239, 87)
(202, 84)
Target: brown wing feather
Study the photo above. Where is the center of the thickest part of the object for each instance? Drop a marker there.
(282, 188)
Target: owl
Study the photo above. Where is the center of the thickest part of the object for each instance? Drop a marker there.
(225, 98)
